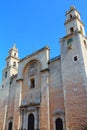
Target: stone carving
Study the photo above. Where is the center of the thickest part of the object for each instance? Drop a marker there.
(32, 69)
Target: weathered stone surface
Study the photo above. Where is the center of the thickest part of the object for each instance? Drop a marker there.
(48, 90)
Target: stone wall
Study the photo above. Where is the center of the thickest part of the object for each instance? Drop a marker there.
(4, 92)
(56, 93)
(74, 84)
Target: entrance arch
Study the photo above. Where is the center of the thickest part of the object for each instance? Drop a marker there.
(10, 125)
(59, 124)
(31, 122)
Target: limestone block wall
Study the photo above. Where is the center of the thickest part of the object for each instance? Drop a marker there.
(17, 104)
(9, 105)
(56, 93)
(5, 81)
(83, 41)
(11, 102)
(44, 107)
(4, 92)
(74, 85)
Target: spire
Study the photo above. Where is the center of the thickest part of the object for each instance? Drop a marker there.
(13, 51)
(14, 47)
(73, 22)
(72, 7)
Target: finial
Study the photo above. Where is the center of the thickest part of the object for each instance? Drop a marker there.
(72, 7)
(14, 46)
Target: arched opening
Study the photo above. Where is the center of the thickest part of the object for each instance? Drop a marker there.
(70, 16)
(10, 126)
(6, 74)
(59, 124)
(14, 54)
(84, 42)
(2, 86)
(71, 29)
(14, 64)
(31, 122)
(32, 82)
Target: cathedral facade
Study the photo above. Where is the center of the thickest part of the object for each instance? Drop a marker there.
(39, 93)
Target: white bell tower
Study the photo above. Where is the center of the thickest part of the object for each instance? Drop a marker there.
(73, 21)
(11, 66)
(74, 71)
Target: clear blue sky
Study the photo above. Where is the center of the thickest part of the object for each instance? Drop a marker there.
(32, 24)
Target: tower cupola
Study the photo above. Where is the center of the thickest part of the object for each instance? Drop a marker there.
(12, 59)
(73, 21)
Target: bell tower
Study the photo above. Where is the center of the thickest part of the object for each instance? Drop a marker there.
(11, 66)
(74, 71)
(73, 21)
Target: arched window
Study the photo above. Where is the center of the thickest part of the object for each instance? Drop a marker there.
(59, 124)
(70, 16)
(14, 64)
(84, 42)
(10, 126)
(2, 86)
(71, 29)
(32, 83)
(14, 54)
(6, 74)
(31, 122)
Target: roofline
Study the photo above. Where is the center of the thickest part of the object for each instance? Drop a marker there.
(67, 12)
(71, 35)
(36, 52)
(54, 59)
(13, 49)
(75, 17)
(12, 57)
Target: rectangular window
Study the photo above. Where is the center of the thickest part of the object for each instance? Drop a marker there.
(32, 82)
(2, 86)
(75, 58)
(5, 74)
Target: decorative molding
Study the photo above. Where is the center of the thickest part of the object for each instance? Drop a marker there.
(58, 112)
(44, 70)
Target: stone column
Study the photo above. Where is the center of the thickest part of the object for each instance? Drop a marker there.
(18, 115)
(44, 108)
(37, 118)
(4, 123)
(20, 119)
(24, 119)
